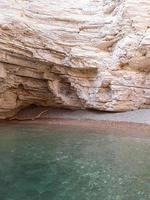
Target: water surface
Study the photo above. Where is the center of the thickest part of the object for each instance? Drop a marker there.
(72, 163)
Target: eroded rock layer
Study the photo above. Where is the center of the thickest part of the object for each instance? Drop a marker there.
(74, 54)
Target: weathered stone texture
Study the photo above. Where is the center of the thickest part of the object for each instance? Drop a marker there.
(74, 54)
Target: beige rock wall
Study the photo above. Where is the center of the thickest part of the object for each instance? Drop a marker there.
(74, 54)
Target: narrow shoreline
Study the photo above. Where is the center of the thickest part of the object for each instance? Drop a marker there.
(35, 113)
(119, 128)
(128, 123)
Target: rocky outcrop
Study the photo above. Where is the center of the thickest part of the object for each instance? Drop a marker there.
(87, 54)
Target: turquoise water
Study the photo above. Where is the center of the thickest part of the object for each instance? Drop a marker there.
(72, 163)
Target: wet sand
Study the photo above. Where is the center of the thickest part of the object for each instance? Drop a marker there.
(120, 128)
(32, 113)
(135, 123)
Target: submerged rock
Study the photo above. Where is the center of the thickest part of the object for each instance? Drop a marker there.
(90, 54)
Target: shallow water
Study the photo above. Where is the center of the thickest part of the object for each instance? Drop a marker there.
(72, 163)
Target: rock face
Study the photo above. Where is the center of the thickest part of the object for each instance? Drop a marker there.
(86, 54)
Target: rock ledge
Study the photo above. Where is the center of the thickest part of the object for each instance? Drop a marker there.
(85, 55)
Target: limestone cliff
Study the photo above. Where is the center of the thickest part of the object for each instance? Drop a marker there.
(74, 54)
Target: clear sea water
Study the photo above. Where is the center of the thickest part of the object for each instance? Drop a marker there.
(72, 163)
